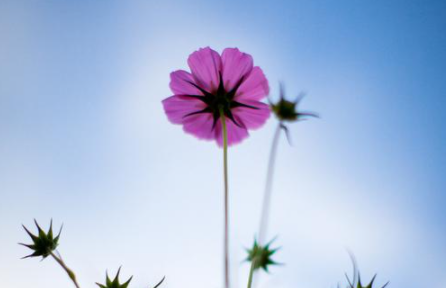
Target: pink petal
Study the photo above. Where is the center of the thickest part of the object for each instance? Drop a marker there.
(253, 118)
(180, 83)
(235, 65)
(255, 87)
(200, 125)
(236, 134)
(177, 106)
(205, 65)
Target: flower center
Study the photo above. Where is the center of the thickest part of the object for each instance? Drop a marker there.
(220, 100)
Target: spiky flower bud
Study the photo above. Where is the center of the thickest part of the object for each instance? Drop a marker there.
(356, 281)
(286, 110)
(260, 256)
(43, 244)
(359, 285)
(115, 283)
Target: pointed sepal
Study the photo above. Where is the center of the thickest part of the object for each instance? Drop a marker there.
(159, 283)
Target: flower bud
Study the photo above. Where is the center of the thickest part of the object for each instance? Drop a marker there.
(115, 283)
(286, 110)
(260, 256)
(43, 244)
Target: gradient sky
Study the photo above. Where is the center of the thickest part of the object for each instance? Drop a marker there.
(84, 141)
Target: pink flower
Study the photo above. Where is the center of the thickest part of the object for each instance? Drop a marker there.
(228, 83)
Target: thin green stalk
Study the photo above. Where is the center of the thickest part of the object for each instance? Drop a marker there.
(268, 186)
(65, 267)
(251, 273)
(226, 206)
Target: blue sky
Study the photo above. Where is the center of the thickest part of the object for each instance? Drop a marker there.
(84, 141)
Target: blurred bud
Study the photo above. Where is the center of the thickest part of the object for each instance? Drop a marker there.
(286, 110)
(359, 284)
(260, 256)
(44, 243)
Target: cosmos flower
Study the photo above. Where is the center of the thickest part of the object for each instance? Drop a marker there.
(228, 84)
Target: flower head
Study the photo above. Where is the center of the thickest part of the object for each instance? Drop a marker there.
(226, 85)
(260, 256)
(44, 243)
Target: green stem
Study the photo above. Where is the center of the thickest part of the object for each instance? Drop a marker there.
(268, 186)
(251, 273)
(226, 206)
(65, 267)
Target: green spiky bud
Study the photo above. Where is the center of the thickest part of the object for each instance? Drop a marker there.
(359, 285)
(356, 281)
(115, 283)
(260, 256)
(286, 110)
(43, 244)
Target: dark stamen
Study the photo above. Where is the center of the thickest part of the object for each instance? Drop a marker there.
(219, 99)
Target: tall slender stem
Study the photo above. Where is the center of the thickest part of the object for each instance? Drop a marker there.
(268, 186)
(65, 267)
(251, 273)
(226, 198)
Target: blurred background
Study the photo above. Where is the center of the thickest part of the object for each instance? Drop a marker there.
(84, 140)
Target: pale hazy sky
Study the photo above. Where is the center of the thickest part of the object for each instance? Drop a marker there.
(84, 141)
